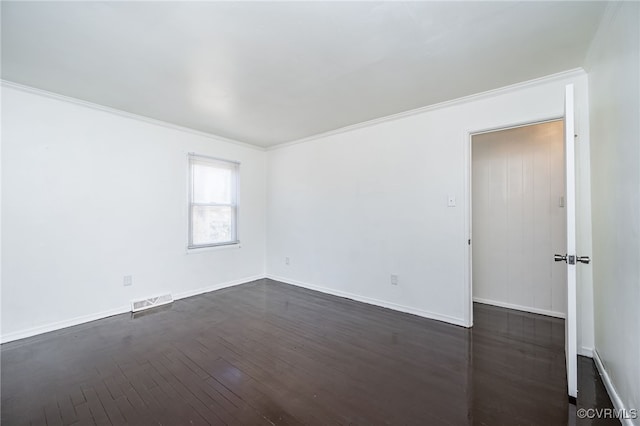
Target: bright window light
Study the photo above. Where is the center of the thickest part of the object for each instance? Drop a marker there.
(213, 202)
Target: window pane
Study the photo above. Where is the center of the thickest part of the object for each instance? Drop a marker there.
(213, 225)
(212, 184)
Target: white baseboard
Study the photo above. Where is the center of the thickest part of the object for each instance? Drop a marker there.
(371, 301)
(520, 307)
(215, 287)
(585, 351)
(611, 390)
(34, 331)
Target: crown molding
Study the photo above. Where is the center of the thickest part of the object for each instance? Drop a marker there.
(125, 114)
(458, 101)
(575, 72)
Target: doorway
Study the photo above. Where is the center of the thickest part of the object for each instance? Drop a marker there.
(518, 219)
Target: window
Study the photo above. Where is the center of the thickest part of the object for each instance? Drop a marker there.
(213, 202)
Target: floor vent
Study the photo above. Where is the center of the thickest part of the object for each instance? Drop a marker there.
(152, 302)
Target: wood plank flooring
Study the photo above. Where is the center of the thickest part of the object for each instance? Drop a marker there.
(266, 353)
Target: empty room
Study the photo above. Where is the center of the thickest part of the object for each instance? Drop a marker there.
(320, 212)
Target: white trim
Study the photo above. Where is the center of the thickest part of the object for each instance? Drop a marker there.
(205, 249)
(234, 205)
(371, 301)
(611, 390)
(207, 158)
(34, 331)
(29, 332)
(468, 229)
(575, 72)
(585, 351)
(516, 126)
(215, 287)
(125, 114)
(520, 307)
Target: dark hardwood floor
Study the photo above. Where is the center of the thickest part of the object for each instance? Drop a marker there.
(267, 353)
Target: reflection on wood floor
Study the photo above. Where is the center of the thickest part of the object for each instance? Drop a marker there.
(270, 353)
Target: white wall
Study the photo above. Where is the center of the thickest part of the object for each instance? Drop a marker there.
(614, 88)
(351, 208)
(89, 196)
(518, 220)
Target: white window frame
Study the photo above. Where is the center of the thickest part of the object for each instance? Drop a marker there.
(222, 163)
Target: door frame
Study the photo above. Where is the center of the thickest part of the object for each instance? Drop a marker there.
(468, 261)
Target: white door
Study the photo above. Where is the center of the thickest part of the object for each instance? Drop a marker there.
(571, 258)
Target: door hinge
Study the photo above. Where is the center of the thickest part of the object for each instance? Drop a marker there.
(469, 242)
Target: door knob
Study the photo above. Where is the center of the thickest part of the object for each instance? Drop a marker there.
(560, 258)
(571, 259)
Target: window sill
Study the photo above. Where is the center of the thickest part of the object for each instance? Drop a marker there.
(207, 249)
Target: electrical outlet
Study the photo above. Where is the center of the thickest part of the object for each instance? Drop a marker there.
(127, 280)
(287, 261)
(394, 279)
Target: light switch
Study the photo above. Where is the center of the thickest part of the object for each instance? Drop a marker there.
(451, 201)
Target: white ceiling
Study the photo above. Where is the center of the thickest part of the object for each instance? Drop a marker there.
(273, 72)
